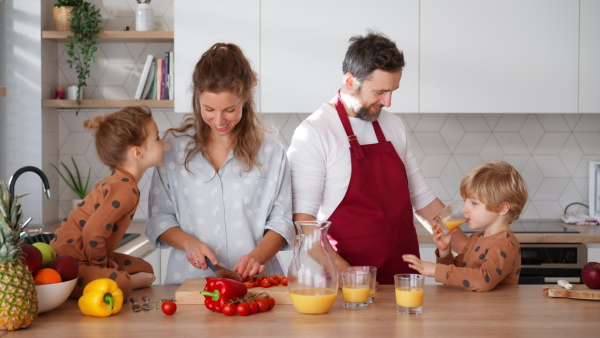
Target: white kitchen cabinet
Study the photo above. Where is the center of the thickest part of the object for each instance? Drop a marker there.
(202, 23)
(303, 44)
(154, 258)
(589, 68)
(509, 56)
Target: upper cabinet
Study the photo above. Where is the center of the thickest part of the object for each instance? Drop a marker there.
(508, 56)
(462, 56)
(303, 44)
(201, 23)
(589, 67)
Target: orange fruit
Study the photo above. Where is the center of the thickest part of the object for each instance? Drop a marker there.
(47, 276)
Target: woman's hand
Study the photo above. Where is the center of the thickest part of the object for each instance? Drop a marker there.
(248, 266)
(196, 251)
(424, 268)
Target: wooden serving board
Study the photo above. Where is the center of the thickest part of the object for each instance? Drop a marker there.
(579, 291)
(189, 292)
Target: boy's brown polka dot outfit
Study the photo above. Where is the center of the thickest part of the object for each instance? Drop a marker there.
(484, 263)
(92, 232)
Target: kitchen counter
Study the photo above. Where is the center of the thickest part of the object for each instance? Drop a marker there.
(507, 311)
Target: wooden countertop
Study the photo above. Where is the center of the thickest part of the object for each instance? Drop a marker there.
(507, 311)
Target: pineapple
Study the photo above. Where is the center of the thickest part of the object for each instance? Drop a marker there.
(18, 295)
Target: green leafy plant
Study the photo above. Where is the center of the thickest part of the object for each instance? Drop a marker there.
(67, 3)
(83, 42)
(76, 184)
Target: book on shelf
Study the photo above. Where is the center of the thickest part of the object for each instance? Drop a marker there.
(171, 76)
(166, 72)
(143, 78)
(149, 81)
(159, 78)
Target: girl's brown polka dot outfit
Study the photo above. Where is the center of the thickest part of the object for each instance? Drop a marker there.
(92, 232)
(484, 263)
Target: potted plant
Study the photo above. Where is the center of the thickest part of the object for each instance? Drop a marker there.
(62, 13)
(75, 182)
(83, 41)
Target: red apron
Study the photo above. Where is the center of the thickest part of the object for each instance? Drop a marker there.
(373, 224)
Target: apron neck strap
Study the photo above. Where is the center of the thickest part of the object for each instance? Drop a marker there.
(339, 106)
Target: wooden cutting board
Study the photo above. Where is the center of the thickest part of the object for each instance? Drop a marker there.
(579, 291)
(189, 292)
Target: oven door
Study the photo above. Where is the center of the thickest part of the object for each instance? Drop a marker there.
(547, 263)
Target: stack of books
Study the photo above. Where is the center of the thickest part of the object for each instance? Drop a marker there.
(156, 82)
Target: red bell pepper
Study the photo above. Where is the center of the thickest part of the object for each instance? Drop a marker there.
(219, 291)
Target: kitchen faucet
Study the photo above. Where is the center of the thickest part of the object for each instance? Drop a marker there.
(13, 180)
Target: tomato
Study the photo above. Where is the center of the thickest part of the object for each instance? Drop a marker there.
(229, 309)
(284, 281)
(209, 304)
(249, 284)
(168, 307)
(265, 283)
(271, 301)
(253, 307)
(242, 309)
(263, 304)
(273, 281)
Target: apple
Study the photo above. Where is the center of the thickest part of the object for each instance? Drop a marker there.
(67, 267)
(591, 275)
(48, 253)
(32, 258)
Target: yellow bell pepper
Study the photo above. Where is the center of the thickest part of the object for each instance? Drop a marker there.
(101, 298)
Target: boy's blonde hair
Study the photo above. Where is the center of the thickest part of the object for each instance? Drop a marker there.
(495, 183)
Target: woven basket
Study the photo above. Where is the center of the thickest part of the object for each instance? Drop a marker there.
(61, 17)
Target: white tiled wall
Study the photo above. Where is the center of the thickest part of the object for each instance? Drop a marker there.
(551, 151)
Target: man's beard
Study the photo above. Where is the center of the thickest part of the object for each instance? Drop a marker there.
(364, 114)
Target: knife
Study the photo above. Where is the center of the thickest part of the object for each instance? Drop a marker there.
(221, 272)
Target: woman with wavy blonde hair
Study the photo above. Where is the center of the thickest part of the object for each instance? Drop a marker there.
(224, 191)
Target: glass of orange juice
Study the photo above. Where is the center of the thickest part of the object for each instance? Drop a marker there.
(451, 217)
(373, 271)
(409, 293)
(355, 289)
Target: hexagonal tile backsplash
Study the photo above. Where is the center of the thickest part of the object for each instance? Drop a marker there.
(552, 151)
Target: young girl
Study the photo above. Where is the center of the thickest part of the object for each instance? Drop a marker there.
(495, 194)
(128, 142)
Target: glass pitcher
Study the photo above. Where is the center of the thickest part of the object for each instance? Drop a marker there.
(312, 275)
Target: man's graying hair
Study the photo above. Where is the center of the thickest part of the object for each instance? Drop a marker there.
(368, 53)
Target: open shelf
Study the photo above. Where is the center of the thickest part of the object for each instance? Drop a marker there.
(116, 36)
(90, 104)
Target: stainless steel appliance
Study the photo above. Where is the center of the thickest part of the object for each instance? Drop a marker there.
(545, 263)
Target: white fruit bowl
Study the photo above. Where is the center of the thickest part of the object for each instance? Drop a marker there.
(51, 296)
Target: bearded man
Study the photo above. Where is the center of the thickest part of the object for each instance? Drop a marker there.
(352, 164)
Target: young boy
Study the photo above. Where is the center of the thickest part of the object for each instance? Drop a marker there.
(495, 194)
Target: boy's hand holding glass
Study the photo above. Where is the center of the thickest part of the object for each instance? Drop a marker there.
(442, 242)
(450, 218)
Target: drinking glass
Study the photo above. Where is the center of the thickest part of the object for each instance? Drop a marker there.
(373, 271)
(355, 289)
(451, 217)
(409, 293)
